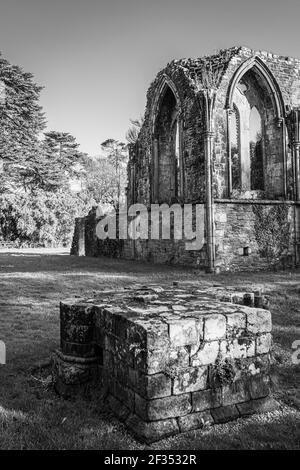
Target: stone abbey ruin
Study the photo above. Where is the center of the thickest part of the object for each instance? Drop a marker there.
(221, 132)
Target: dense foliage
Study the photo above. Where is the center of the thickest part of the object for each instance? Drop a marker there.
(38, 218)
(45, 181)
(272, 232)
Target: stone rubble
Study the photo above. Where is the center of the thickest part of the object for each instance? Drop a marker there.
(168, 359)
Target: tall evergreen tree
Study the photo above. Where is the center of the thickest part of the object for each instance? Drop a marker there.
(61, 160)
(21, 121)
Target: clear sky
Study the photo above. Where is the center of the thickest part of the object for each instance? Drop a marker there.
(96, 58)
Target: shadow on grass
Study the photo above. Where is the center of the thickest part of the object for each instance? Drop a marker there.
(33, 417)
(31, 262)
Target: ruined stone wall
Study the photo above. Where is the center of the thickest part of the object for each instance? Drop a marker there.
(242, 240)
(180, 84)
(160, 251)
(251, 236)
(171, 252)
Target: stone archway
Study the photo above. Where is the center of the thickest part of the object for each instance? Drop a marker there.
(256, 106)
(167, 155)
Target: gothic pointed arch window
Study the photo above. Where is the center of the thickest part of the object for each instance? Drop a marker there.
(256, 143)
(167, 155)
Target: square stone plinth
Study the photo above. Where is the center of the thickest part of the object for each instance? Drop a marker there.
(170, 359)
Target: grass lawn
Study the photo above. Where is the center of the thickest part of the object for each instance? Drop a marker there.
(32, 282)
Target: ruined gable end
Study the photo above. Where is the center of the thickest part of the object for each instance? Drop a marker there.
(222, 132)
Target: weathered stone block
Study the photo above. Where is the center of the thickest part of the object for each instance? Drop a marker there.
(259, 321)
(249, 299)
(168, 367)
(195, 421)
(80, 350)
(243, 298)
(207, 399)
(98, 316)
(237, 392)
(121, 372)
(190, 379)
(145, 297)
(121, 326)
(261, 405)
(99, 336)
(148, 334)
(236, 322)
(238, 348)
(183, 332)
(123, 352)
(258, 300)
(73, 370)
(233, 349)
(161, 360)
(206, 354)
(109, 361)
(153, 386)
(76, 312)
(108, 323)
(178, 358)
(123, 394)
(157, 335)
(259, 386)
(136, 335)
(151, 361)
(162, 408)
(224, 414)
(109, 343)
(78, 333)
(119, 409)
(251, 348)
(151, 431)
(214, 327)
(263, 343)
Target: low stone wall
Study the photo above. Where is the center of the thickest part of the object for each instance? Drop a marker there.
(248, 235)
(162, 251)
(169, 359)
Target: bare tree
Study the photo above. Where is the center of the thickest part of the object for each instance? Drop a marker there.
(117, 155)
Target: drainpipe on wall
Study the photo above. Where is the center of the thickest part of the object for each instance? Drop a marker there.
(282, 125)
(208, 102)
(296, 149)
(155, 194)
(293, 124)
(296, 152)
(229, 174)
